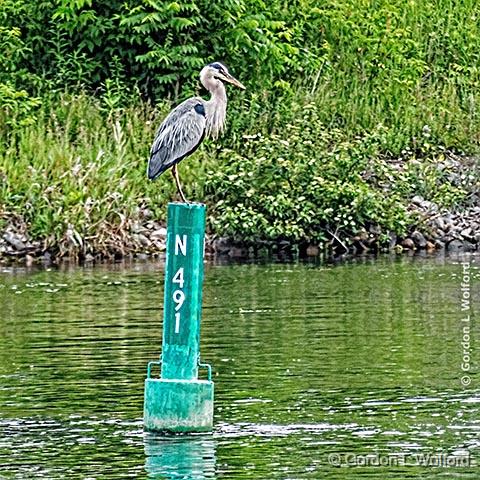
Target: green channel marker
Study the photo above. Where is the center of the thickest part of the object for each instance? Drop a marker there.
(178, 401)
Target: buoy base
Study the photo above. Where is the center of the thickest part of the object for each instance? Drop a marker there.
(178, 406)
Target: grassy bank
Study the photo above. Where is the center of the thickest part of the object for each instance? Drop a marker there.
(352, 110)
(75, 178)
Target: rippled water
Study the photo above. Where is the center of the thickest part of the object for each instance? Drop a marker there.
(315, 365)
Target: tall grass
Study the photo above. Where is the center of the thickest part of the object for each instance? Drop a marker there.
(76, 177)
(402, 64)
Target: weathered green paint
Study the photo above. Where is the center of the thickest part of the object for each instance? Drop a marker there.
(178, 405)
(178, 401)
(185, 250)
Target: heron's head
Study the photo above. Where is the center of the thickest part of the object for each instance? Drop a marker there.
(218, 72)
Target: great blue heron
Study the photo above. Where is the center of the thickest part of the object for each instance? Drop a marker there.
(186, 125)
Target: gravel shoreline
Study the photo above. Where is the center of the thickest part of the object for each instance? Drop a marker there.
(437, 231)
(434, 229)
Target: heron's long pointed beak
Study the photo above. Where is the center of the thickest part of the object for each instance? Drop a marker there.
(234, 81)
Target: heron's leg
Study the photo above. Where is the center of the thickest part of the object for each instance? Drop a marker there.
(177, 181)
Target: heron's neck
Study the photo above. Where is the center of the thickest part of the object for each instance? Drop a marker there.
(216, 110)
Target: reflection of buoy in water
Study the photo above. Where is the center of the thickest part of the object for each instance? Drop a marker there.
(180, 457)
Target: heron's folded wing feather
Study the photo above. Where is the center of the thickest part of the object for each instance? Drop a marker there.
(179, 134)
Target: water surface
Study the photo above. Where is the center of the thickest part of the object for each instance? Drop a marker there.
(356, 364)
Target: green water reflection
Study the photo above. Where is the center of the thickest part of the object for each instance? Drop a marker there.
(314, 365)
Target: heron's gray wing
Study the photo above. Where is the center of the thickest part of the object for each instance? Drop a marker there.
(179, 135)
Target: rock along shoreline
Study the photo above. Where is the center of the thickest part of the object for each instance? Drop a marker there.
(436, 231)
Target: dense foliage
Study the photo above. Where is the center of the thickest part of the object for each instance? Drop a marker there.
(157, 45)
(336, 91)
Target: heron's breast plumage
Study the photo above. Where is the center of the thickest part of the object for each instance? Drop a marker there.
(216, 112)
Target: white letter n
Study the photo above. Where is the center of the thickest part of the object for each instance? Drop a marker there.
(182, 244)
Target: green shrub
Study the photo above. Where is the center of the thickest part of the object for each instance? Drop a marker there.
(17, 107)
(300, 182)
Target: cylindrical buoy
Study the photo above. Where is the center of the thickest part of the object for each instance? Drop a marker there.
(178, 401)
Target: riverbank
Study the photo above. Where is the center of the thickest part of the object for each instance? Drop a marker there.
(438, 231)
(359, 129)
(106, 209)
(74, 186)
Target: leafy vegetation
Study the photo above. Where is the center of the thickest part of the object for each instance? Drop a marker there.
(351, 106)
